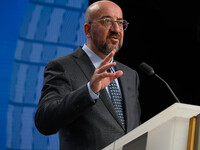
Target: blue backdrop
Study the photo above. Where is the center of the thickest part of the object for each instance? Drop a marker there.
(31, 34)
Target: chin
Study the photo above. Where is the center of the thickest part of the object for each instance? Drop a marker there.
(116, 47)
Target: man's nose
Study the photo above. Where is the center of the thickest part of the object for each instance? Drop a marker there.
(116, 27)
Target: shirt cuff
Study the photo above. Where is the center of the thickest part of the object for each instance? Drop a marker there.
(92, 94)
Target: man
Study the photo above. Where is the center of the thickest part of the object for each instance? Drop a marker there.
(77, 98)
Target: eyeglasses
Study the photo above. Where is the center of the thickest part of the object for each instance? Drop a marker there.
(109, 23)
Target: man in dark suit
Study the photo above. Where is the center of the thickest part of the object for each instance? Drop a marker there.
(78, 99)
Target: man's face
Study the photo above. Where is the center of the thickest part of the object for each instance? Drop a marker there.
(103, 38)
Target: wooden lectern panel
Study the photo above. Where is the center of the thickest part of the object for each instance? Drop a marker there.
(197, 133)
(191, 133)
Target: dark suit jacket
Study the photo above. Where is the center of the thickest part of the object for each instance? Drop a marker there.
(66, 106)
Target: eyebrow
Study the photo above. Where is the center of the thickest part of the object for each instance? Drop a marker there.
(110, 17)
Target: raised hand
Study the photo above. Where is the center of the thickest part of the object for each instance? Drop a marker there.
(101, 78)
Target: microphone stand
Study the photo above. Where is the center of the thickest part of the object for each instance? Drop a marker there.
(167, 87)
(150, 71)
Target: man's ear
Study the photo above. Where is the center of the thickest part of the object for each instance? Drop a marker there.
(87, 30)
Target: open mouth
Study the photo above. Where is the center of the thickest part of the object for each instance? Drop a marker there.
(114, 38)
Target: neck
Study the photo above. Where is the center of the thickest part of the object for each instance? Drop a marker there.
(95, 50)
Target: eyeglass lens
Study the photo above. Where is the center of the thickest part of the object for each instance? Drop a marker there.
(109, 23)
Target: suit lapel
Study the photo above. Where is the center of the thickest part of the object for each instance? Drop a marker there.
(84, 63)
(109, 105)
(88, 68)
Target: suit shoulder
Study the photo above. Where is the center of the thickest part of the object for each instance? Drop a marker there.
(125, 67)
(61, 63)
(62, 59)
(67, 59)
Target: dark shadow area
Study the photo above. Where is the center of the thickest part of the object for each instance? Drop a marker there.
(166, 35)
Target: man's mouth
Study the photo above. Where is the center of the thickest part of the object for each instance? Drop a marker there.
(114, 38)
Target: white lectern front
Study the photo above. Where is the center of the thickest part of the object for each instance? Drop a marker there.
(166, 131)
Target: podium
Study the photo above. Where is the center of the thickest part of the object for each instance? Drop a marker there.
(171, 129)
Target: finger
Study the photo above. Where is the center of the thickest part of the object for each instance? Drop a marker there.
(118, 74)
(108, 58)
(106, 75)
(106, 67)
(112, 76)
(115, 75)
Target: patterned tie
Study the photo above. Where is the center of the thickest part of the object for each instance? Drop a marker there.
(116, 100)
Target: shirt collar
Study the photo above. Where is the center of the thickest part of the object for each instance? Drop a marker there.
(96, 60)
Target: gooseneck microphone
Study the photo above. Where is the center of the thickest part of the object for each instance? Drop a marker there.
(150, 72)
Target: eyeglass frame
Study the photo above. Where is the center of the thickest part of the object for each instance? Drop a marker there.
(113, 22)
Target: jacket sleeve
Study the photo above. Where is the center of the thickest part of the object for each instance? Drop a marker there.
(59, 104)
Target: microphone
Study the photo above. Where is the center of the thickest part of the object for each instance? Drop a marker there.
(150, 72)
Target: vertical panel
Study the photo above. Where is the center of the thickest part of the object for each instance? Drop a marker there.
(51, 28)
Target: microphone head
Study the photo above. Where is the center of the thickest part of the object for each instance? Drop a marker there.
(146, 69)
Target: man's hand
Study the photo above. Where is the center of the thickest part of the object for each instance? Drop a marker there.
(101, 78)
